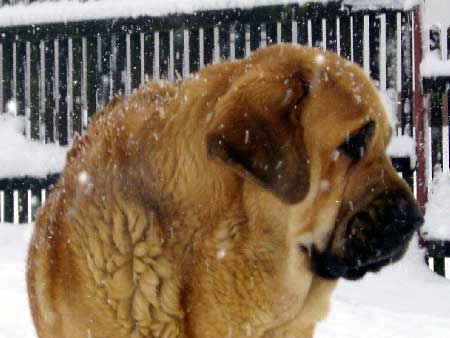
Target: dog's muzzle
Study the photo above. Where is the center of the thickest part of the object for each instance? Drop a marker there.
(375, 235)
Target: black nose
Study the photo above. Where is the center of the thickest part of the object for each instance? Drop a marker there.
(384, 226)
(399, 214)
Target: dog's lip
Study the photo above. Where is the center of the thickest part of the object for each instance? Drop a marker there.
(333, 267)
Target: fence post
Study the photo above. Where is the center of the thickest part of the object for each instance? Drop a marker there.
(419, 113)
(15, 207)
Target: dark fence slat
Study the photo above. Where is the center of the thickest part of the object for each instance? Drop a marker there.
(406, 68)
(49, 101)
(135, 64)
(164, 54)
(34, 90)
(194, 50)
(19, 76)
(77, 81)
(239, 30)
(148, 55)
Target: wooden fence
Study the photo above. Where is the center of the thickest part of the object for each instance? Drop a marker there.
(437, 140)
(58, 75)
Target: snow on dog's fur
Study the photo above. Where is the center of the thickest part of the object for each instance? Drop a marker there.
(226, 205)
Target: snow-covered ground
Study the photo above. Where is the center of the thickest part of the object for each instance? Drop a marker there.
(405, 300)
(437, 217)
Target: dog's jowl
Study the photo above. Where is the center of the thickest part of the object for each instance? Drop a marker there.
(226, 205)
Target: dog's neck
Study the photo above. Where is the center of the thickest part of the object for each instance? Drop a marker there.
(188, 179)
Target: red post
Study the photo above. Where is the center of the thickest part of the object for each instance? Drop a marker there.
(419, 114)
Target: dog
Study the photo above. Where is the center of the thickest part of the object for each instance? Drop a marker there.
(224, 205)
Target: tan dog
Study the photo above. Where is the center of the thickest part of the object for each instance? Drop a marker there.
(223, 206)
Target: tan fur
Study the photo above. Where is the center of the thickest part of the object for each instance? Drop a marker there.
(146, 235)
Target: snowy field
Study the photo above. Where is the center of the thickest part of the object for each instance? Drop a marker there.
(403, 301)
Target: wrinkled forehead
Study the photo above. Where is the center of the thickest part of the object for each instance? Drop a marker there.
(341, 92)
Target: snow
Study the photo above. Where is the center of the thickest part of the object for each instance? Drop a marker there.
(22, 157)
(73, 11)
(15, 319)
(376, 4)
(405, 300)
(402, 146)
(432, 65)
(437, 216)
(435, 16)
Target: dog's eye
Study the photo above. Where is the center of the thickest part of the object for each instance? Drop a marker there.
(355, 145)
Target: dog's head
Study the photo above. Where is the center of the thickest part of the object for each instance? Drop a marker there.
(307, 133)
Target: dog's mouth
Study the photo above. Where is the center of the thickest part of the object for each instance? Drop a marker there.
(373, 238)
(331, 266)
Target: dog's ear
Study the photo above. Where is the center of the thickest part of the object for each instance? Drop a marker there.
(270, 152)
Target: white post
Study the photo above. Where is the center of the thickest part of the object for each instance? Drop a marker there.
(186, 61)
(399, 53)
(294, 31)
(366, 45)
(447, 267)
(43, 197)
(156, 56)
(278, 32)
(84, 103)
(263, 35)
(42, 91)
(216, 50)
(128, 64)
(16, 207)
(352, 54)
(383, 59)
(171, 57)
(29, 206)
(309, 33)
(142, 55)
(324, 34)
(443, 46)
(247, 41)
(113, 66)
(431, 263)
(399, 69)
(232, 43)
(428, 145)
(201, 47)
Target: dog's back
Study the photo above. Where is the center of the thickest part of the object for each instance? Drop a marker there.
(95, 265)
